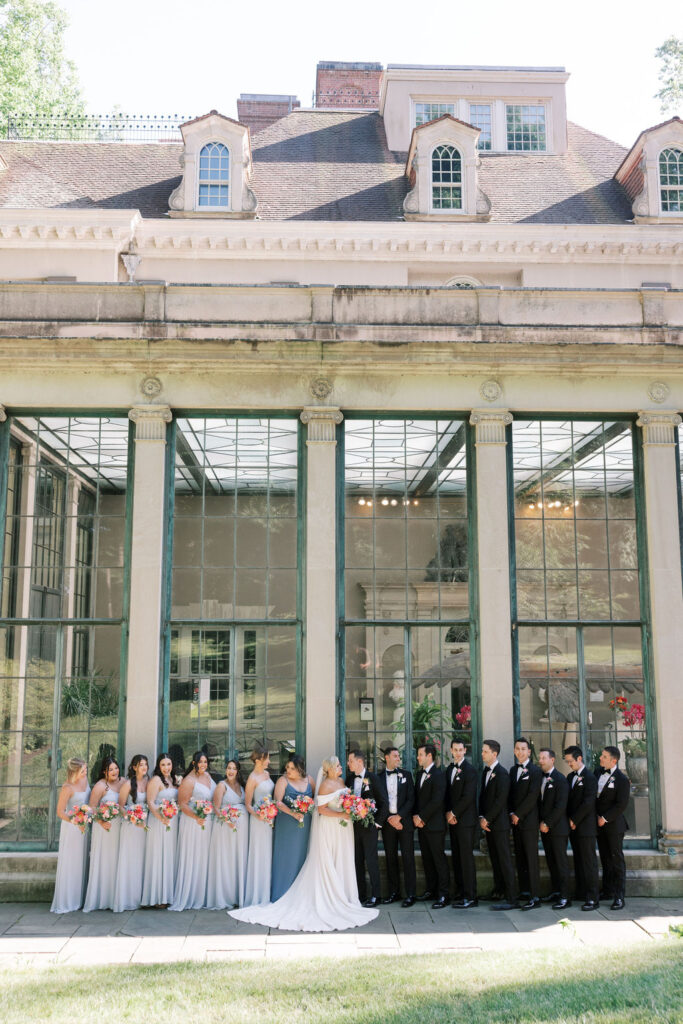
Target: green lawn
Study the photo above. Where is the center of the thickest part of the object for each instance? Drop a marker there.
(642, 984)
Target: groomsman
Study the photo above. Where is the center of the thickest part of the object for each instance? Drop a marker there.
(463, 824)
(365, 784)
(583, 827)
(525, 789)
(428, 819)
(554, 827)
(398, 830)
(614, 790)
(494, 820)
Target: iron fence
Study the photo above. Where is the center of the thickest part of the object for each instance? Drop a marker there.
(114, 127)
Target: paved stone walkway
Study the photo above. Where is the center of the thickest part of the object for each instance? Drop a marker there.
(30, 934)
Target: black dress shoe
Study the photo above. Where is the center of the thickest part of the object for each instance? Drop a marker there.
(506, 905)
(465, 904)
(372, 902)
(618, 903)
(392, 898)
(532, 904)
(562, 904)
(427, 896)
(408, 901)
(590, 905)
(440, 903)
(550, 898)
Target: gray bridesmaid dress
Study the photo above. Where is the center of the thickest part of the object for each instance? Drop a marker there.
(158, 884)
(104, 858)
(131, 866)
(290, 845)
(193, 855)
(72, 861)
(260, 859)
(228, 858)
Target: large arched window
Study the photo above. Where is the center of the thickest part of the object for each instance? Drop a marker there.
(214, 176)
(671, 180)
(446, 178)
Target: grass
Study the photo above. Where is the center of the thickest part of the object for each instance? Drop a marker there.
(637, 985)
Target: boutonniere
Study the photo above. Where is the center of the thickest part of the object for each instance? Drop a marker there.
(492, 775)
(458, 772)
(366, 784)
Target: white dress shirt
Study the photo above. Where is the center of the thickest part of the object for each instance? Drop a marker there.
(392, 792)
(358, 783)
(604, 779)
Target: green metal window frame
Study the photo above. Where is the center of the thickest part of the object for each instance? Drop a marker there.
(60, 623)
(408, 624)
(643, 623)
(168, 624)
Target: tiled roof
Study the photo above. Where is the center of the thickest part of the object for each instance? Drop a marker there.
(318, 165)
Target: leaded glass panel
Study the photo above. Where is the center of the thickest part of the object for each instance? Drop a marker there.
(525, 127)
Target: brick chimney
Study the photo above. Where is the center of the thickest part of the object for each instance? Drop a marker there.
(353, 85)
(258, 110)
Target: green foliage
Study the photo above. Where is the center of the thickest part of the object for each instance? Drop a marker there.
(670, 53)
(95, 696)
(36, 78)
(430, 719)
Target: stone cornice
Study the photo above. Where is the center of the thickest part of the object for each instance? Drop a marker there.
(67, 229)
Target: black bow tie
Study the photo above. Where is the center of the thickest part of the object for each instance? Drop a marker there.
(486, 769)
(546, 775)
(392, 771)
(359, 776)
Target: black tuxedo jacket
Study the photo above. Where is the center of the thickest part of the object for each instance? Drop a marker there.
(581, 803)
(405, 796)
(612, 803)
(553, 804)
(461, 793)
(372, 789)
(493, 799)
(429, 799)
(525, 789)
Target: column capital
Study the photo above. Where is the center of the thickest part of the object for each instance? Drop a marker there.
(321, 421)
(659, 427)
(150, 421)
(490, 424)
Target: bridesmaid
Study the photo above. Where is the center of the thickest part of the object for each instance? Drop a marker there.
(228, 853)
(104, 846)
(259, 861)
(157, 884)
(193, 839)
(290, 844)
(72, 860)
(128, 892)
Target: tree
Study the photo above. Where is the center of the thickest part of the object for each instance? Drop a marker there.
(37, 81)
(670, 53)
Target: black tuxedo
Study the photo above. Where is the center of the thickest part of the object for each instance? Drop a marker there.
(461, 800)
(365, 836)
(400, 838)
(493, 806)
(525, 789)
(581, 811)
(553, 813)
(611, 804)
(429, 806)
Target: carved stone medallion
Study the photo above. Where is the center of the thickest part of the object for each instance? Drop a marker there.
(151, 387)
(490, 390)
(320, 388)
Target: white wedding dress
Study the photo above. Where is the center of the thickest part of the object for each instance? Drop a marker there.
(324, 895)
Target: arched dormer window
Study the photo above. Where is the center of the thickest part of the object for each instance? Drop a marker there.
(446, 178)
(671, 180)
(214, 176)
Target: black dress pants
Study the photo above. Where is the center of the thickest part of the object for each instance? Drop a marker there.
(611, 850)
(462, 855)
(585, 867)
(526, 855)
(403, 839)
(556, 858)
(365, 855)
(434, 861)
(501, 861)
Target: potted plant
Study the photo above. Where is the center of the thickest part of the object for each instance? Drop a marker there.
(635, 746)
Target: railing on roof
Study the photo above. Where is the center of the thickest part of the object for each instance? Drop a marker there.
(115, 127)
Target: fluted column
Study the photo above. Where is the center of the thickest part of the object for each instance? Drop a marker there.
(321, 592)
(666, 605)
(495, 648)
(146, 571)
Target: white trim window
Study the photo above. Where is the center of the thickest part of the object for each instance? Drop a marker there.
(425, 112)
(446, 178)
(671, 180)
(214, 177)
(480, 117)
(525, 127)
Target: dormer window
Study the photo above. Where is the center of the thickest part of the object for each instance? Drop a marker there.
(525, 127)
(446, 178)
(671, 180)
(214, 176)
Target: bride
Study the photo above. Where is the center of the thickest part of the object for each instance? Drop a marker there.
(324, 895)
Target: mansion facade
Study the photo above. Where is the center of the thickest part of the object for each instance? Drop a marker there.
(358, 429)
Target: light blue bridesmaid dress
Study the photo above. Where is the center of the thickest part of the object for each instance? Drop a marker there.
(260, 859)
(131, 866)
(104, 858)
(72, 861)
(290, 845)
(193, 855)
(228, 857)
(158, 884)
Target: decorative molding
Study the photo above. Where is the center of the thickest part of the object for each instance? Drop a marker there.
(3, 414)
(658, 391)
(150, 421)
(321, 388)
(490, 390)
(321, 422)
(151, 387)
(658, 427)
(490, 425)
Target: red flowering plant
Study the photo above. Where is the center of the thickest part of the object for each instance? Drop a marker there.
(633, 717)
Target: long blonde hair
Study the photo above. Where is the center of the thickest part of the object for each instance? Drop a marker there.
(73, 767)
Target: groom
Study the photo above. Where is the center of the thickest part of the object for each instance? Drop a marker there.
(365, 784)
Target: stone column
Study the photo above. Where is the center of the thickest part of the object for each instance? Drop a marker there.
(495, 648)
(146, 579)
(321, 587)
(666, 605)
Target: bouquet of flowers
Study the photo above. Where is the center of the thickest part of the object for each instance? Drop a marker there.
(202, 808)
(359, 809)
(464, 715)
(229, 816)
(106, 813)
(267, 811)
(81, 816)
(168, 810)
(302, 804)
(136, 815)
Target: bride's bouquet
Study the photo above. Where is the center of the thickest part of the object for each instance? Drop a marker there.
(136, 815)
(202, 808)
(359, 809)
(81, 816)
(168, 810)
(302, 804)
(106, 813)
(229, 816)
(266, 811)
